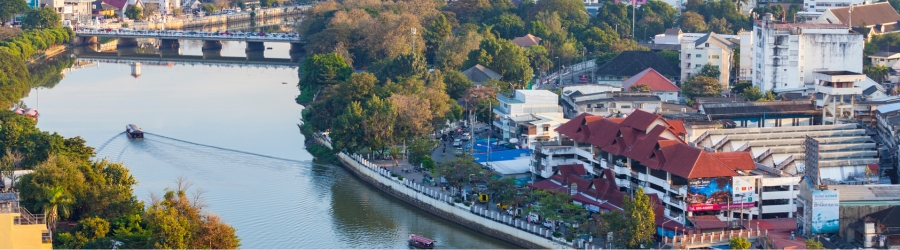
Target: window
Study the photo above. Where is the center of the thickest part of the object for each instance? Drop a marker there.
(697, 56)
(714, 56)
(697, 66)
(588, 106)
(612, 105)
(626, 106)
(707, 45)
(546, 129)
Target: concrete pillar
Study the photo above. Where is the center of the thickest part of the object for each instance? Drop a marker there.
(126, 43)
(208, 54)
(212, 45)
(255, 46)
(168, 52)
(126, 51)
(296, 48)
(168, 44)
(84, 40)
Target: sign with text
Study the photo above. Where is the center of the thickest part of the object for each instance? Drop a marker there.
(709, 193)
(744, 189)
(825, 211)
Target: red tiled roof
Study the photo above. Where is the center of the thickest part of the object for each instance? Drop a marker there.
(707, 222)
(116, 3)
(547, 185)
(651, 78)
(691, 162)
(778, 224)
(735, 160)
(677, 127)
(574, 127)
(576, 169)
(527, 40)
(640, 120)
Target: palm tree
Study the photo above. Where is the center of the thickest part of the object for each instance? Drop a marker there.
(56, 204)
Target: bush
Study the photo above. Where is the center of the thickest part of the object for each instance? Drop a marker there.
(557, 234)
(457, 200)
(400, 177)
(570, 237)
(467, 203)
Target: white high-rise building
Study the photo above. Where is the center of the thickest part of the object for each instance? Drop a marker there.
(822, 5)
(786, 55)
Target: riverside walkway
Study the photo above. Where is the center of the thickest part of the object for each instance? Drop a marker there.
(168, 39)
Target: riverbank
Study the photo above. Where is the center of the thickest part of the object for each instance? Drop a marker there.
(503, 227)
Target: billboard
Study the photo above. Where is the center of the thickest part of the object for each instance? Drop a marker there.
(744, 192)
(811, 168)
(825, 211)
(709, 194)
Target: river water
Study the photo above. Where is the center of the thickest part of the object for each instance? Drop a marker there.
(233, 133)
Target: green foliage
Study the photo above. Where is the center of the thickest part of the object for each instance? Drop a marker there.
(639, 88)
(507, 25)
(9, 8)
(557, 207)
(672, 56)
(457, 83)
(710, 71)
(895, 4)
(347, 130)
(692, 22)
(399, 68)
(752, 94)
(137, 13)
(813, 244)
(15, 77)
(41, 18)
(322, 154)
(439, 30)
(420, 148)
(323, 70)
(701, 86)
(877, 73)
(504, 57)
(457, 172)
(177, 221)
(739, 243)
(724, 13)
(428, 163)
(740, 87)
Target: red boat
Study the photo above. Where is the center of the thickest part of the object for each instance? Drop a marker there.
(421, 242)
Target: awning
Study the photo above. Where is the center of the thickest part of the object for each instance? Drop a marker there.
(707, 222)
(872, 168)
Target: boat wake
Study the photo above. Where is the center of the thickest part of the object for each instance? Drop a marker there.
(102, 146)
(226, 149)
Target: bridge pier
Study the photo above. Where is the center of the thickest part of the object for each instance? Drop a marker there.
(127, 51)
(85, 40)
(255, 46)
(255, 55)
(168, 44)
(296, 48)
(212, 54)
(212, 45)
(126, 43)
(169, 52)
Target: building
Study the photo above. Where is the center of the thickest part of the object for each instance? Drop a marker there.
(607, 104)
(879, 18)
(524, 107)
(20, 229)
(479, 74)
(878, 230)
(123, 5)
(659, 85)
(745, 73)
(786, 55)
(527, 41)
(846, 150)
(710, 49)
(884, 58)
(823, 6)
(630, 63)
(705, 190)
(165, 6)
(676, 37)
(762, 114)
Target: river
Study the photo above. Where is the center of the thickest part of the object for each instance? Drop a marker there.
(233, 133)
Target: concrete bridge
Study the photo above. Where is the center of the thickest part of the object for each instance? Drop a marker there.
(171, 57)
(127, 38)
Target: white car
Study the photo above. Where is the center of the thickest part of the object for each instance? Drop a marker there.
(457, 143)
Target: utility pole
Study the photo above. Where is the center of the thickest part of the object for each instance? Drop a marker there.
(633, 14)
(412, 39)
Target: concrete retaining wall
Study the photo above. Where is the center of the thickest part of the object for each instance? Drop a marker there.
(491, 223)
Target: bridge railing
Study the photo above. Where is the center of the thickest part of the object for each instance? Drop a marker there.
(190, 34)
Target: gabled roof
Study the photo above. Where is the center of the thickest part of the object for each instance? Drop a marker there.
(871, 14)
(653, 79)
(527, 41)
(714, 39)
(116, 3)
(480, 74)
(673, 31)
(629, 63)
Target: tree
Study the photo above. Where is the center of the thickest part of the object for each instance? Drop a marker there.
(672, 56)
(711, 71)
(10, 162)
(9, 8)
(457, 83)
(322, 70)
(507, 25)
(813, 244)
(720, 26)
(413, 116)
(739, 243)
(439, 30)
(458, 171)
(640, 88)
(208, 8)
(151, 10)
(740, 87)
(41, 18)
(877, 73)
(558, 207)
(400, 67)
(419, 149)
(347, 129)
(378, 126)
(752, 94)
(137, 13)
(177, 221)
(701, 86)
(692, 22)
(504, 57)
(90, 229)
(641, 219)
(56, 204)
(454, 50)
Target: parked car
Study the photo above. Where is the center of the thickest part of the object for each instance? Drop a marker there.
(457, 143)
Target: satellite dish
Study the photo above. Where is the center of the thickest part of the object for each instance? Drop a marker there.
(513, 140)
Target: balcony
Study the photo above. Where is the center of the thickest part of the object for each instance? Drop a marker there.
(838, 91)
(501, 110)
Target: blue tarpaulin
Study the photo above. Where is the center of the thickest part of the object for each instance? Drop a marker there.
(506, 155)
